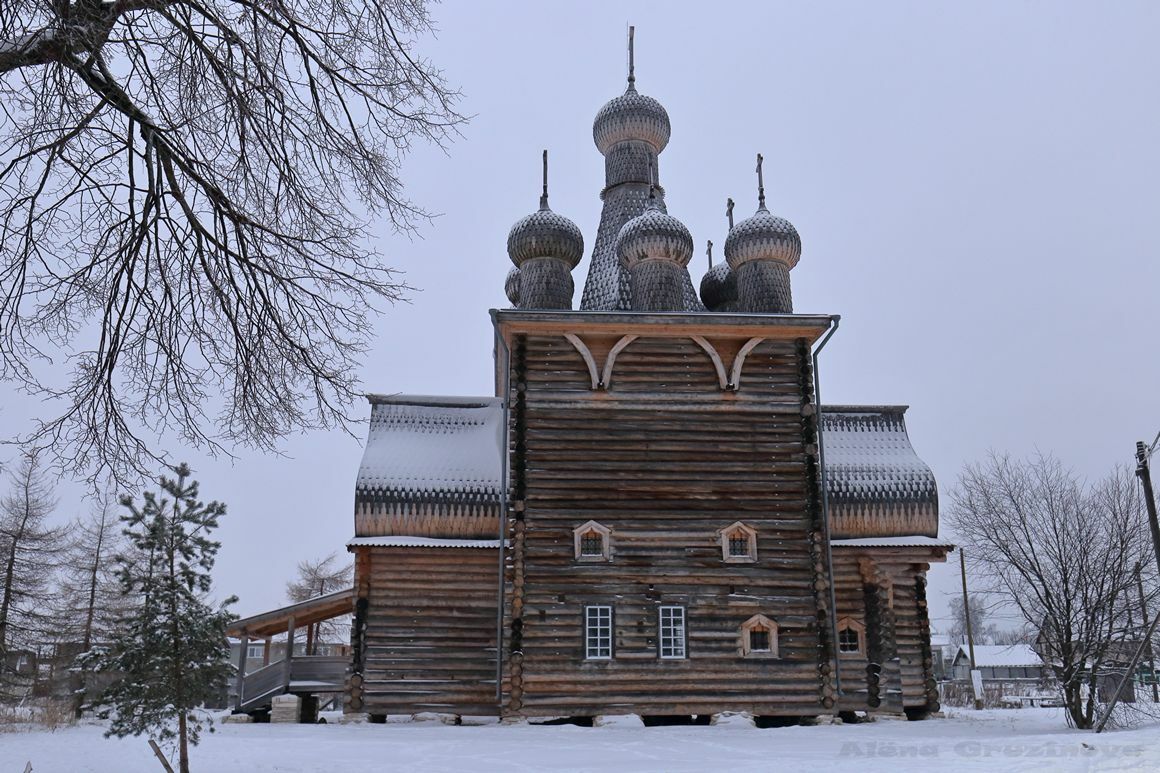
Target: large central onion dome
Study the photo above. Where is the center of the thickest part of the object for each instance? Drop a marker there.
(654, 235)
(631, 116)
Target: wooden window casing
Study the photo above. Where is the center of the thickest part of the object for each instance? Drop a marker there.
(851, 637)
(739, 544)
(591, 542)
(759, 638)
(672, 642)
(598, 632)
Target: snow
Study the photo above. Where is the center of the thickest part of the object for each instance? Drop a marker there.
(424, 444)
(887, 542)
(1013, 740)
(868, 454)
(420, 542)
(992, 655)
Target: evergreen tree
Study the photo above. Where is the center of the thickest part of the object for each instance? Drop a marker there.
(172, 652)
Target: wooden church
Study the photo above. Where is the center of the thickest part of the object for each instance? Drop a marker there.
(653, 514)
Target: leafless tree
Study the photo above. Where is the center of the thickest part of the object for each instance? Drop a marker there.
(89, 599)
(185, 189)
(318, 578)
(1062, 553)
(981, 630)
(29, 549)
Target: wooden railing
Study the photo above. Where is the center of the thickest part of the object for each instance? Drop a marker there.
(324, 673)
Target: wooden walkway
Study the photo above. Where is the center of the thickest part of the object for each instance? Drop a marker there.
(294, 674)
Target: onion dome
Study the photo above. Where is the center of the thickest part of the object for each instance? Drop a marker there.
(631, 116)
(654, 235)
(763, 236)
(544, 234)
(718, 286)
(511, 286)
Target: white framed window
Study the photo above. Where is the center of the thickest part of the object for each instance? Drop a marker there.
(851, 636)
(672, 633)
(591, 542)
(598, 633)
(255, 650)
(759, 637)
(739, 544)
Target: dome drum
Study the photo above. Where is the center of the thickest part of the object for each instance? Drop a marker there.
(545, 283)
(629, 162)
(763, 288)
(657, 285)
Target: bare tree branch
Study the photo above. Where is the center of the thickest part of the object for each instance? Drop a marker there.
(185, 189)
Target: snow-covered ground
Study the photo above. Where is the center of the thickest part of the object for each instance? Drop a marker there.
(1011, 740)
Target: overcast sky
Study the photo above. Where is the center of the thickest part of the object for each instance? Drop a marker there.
(976, 188)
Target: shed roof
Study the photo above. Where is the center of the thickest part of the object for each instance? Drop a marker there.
(992, 655)
(432, 448)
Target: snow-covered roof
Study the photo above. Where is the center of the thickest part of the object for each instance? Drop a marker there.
(432, 448)
(992, 655)
(876, 482)
(420, 542)
(426, 449)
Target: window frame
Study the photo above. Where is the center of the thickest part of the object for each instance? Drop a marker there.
(684, 633)
(750, 556)
(858, 629)
(605, 533)
(588, 625)
(759, 622)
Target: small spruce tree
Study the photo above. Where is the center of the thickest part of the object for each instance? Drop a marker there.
(172, 653)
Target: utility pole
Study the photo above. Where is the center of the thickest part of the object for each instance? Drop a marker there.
(976, 678)
(1144, 620)
(1145, 475)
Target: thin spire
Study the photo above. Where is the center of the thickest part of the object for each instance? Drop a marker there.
(760, 183)
(729, 212)
(544, 195)
(709, 252)
(631, 63)
(652, 184)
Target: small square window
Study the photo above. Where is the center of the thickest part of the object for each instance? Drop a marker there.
(738, 544)
(850, 633)
(592, 544)
(759, 640)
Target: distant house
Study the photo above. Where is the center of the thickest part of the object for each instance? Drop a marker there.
(1000, 663)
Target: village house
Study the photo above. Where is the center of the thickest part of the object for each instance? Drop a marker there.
(654, 513)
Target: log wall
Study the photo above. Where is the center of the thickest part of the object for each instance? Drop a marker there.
(428, 642)
(665, 458)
